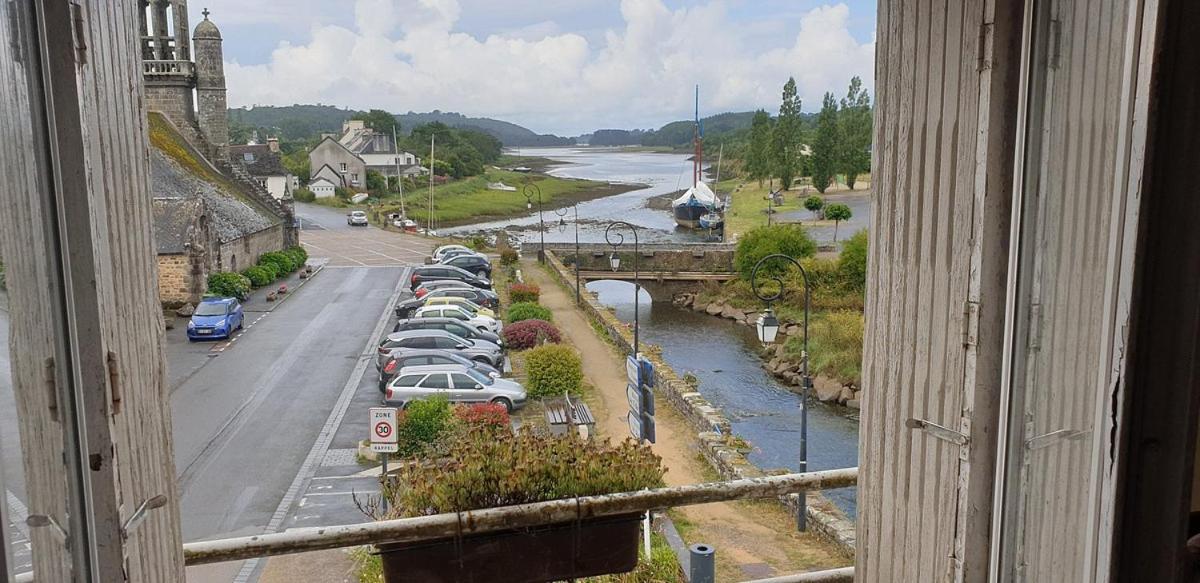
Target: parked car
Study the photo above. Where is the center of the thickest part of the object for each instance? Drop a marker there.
(489, 300)
(459, 313)
(455, 253)
(450, 325)
(356, 219)
(435, 272)
(458, 383)
(474, 263)
(215, 318)
(404, 358)
(480, 350)
(436, 284)
(440, 251)
(452, 300)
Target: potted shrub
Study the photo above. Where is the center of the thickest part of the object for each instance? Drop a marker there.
(530, 333)
(528, 311)
(490, 466)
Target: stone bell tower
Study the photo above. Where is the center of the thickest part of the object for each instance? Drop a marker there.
(167, 59)
(211, 113)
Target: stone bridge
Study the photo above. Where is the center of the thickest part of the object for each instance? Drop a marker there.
(664, 269)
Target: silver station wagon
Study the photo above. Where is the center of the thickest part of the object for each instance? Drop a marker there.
(457, 383)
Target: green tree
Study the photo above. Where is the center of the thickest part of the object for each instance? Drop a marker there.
(852, 262)
(378, 120)
(825, 146)
(376, 182)
(786, 137)
(837, 213)
(854, 127)
(789, 239)
(814, 204)
(758, 162)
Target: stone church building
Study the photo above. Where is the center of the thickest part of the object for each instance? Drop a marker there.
(210, 213)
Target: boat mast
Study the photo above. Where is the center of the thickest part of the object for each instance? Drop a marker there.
(698, 141)
(429, 222)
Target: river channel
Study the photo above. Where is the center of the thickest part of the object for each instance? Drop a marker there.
(661, 173)
(724, 357)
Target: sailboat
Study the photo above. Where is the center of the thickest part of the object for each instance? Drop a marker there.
(714, 218)
(699, 200)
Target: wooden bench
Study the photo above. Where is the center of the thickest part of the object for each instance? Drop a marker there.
(562, 415)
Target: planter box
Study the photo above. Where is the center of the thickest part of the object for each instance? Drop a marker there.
(557, 552)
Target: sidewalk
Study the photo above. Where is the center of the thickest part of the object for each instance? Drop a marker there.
(752, 539)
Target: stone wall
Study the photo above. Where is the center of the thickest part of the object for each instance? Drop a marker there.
(241, 253)
(701, 257)
(713, 430)
(174, 101)
(174, 280)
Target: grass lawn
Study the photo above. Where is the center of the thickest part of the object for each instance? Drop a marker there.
(469, 200)
(748, 206)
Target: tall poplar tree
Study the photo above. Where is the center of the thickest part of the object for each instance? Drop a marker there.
(786, 138)
(825, 145)
(758, 163)
(855, 128)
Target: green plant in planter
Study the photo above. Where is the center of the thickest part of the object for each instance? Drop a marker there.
(491, 467)
(553, 369)
(508, 257)
(528, 311)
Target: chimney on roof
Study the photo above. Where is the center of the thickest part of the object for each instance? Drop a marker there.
(273, 144)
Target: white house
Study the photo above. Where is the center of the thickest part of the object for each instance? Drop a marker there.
(264, 163)
(322, 187)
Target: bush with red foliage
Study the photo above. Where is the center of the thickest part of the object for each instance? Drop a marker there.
(530, 333)
(524, 292)
(482, 414)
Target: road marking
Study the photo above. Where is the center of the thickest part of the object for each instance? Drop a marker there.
(332, 423)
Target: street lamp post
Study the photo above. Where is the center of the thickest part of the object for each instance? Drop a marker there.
(562, 226)
(768, 328)
(616, 239)
(532, 191)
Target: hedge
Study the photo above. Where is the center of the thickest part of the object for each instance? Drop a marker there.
(553, 369)
(529, 333)
(259, 275)
(422, 423)
(528, 311)
(283, 262)
(227, 284)
(524, 292)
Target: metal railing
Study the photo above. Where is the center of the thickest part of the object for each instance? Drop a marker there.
(454, 524)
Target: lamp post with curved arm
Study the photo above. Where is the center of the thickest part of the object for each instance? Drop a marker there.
(616, 239)
(768, 328)
(562, 226)
(532, 191)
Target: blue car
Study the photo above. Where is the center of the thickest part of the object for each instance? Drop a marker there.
(215, 318)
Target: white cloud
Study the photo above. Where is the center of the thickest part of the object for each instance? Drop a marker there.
(406, 55)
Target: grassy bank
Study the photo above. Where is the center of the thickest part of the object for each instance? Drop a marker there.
(470, 201)
(748, 203)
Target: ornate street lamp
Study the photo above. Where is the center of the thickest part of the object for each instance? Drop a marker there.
(616, 239)
(768, 329)
(562, 226)
(531, 191)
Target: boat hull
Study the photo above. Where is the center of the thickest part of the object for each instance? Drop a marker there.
(688, 215)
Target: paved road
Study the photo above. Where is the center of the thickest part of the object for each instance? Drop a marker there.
(254, 419)
(326, 234)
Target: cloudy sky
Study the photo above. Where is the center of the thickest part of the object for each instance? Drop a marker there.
(554, 66)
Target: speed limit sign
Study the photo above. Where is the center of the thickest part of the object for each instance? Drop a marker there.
(383, 429)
